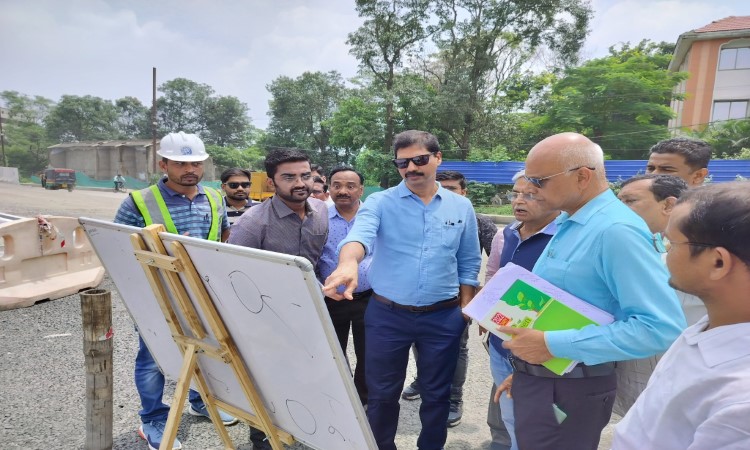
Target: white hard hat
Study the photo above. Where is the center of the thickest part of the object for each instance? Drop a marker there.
(182, 147)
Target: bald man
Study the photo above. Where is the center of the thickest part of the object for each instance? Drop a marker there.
(602, 253)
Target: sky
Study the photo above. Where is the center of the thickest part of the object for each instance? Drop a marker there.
(108, 48)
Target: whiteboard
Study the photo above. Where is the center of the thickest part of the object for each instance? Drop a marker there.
(274, 310)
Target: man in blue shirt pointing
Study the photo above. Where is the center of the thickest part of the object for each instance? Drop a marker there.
(425, 268)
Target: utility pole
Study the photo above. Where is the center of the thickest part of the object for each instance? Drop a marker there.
(2, 140)
(153, 122)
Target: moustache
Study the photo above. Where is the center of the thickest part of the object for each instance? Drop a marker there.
(414, 174)
(343, 196)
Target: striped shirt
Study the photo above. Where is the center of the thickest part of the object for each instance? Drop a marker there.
(189, 216)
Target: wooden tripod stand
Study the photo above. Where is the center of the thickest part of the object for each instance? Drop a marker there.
(194, 338)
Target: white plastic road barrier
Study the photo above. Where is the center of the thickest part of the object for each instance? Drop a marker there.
(48, 257)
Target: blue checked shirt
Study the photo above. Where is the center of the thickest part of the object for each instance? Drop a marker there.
(338, 228)
(193, 217)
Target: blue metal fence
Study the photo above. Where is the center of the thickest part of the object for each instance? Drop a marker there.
(502, 172)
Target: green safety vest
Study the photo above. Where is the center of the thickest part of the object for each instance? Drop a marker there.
(152, 207)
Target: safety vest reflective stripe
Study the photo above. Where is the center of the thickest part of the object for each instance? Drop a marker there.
(153, 208)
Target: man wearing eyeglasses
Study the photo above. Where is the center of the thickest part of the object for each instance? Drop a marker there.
(235, 183)
(602, 253)
(424, 269)
(290, 222)
(699, 395)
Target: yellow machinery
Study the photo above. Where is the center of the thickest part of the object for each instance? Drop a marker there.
(260, 188)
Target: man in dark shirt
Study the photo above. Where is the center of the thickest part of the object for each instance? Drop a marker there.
(290, 222)
(235, 183)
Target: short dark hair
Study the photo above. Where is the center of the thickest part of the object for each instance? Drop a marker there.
(338, 169)
(281, 156)
(697, 153)
(320, 180)
(415, 137)
(452, 175)
(662, 186)
(316, 168)
(720, 217)
(235, 172)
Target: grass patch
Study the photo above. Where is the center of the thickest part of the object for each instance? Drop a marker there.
(500, 210)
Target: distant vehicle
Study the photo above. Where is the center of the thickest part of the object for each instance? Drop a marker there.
(259, 189)
(59, 179)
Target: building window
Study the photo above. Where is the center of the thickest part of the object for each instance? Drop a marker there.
(734, 58)
(729, 110)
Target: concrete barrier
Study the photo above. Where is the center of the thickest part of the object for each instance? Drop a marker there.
(48, 257)
(9, 175)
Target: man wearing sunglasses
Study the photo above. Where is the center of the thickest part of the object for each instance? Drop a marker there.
(602, 253)
(699, 395)
(424, 269)
(235, 183)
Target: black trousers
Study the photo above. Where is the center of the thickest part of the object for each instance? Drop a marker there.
(346, 315)
(586, 401)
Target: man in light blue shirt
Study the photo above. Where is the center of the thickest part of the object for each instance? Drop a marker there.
(602, 253)
(424, 269)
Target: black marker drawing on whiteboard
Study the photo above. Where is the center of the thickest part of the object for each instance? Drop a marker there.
(333, 430)
(217, 383)
(332, 399)
(302, 417)
(253, 300)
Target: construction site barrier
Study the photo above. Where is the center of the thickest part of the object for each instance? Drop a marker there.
(41, 258)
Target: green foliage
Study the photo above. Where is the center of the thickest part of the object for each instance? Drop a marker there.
(499, 210)
(480, 193)
(84, 118)
(355, 125)
(228, 157)
(134, 119)
(226, 121)
(499, 153)
(620, 101)
(728, 138)
(377, 168)
(182, 106)
(25, 109)
(301, 110)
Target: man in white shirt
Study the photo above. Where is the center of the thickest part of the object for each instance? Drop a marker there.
(699, 395)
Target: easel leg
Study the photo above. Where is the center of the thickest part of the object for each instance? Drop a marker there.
(178, 402)
(212, 410)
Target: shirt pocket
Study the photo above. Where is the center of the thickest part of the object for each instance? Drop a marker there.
(555, 271)
(451, 234)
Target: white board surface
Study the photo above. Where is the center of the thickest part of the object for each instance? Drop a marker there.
(274, 310)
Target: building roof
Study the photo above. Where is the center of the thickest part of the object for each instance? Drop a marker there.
(112, 143)
(730, 23)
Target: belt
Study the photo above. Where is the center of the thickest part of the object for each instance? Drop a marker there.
(579, 371)
(428, 308)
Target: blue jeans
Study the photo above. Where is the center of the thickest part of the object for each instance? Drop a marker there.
(501, 368)
(149, 381)
(389, 333)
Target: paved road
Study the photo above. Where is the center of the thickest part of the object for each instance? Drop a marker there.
(42, 377)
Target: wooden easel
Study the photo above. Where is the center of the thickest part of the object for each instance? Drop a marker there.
(151, 253)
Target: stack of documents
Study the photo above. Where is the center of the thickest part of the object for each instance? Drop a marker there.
(515, 297)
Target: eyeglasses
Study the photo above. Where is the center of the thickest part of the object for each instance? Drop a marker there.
(403, 163)
(512, 196)
(539, 182)
(663, 247)
(234, 185)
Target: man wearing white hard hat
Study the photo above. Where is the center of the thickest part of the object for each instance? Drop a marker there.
(184, 207)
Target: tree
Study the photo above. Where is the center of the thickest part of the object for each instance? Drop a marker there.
(356, 125)
(226, 121)
(300, 110)
(25, 138)
(24, 109)
(133, 119)
(728, 138)
(620, 101)
(85, 118)
(182, 107)
(483, 46)
(391, 29)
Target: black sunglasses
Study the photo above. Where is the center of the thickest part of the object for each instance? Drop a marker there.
(403, 163)
(233, 185)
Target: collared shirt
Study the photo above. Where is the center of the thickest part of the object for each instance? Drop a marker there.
(234, 213)
(514, 241)
(189, 216)
(338, 228)
(423, 251)
(603, 254)
(273, 226)
(698, 396)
